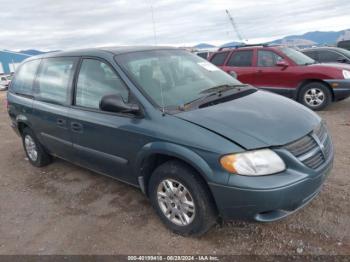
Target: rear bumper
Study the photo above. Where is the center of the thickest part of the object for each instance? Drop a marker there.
(341, 88)
(270, 204)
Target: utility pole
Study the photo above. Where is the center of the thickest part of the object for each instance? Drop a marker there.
(234, 26)
(153, 24)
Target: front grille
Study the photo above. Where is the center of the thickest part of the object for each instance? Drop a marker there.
(302, 146)
(313, 149)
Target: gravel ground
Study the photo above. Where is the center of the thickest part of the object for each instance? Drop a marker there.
(64, 209)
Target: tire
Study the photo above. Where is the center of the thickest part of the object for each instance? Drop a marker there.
(204, 211)
(41, 157)
(315, 96)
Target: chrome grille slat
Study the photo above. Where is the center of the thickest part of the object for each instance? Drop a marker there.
(310, 154)
(313, 149)
(321, 133)
(315, 161)
(327, 147)
(301, 146)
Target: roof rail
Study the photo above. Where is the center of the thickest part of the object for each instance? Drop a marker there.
(244, 45)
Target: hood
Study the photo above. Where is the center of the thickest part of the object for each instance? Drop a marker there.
(261, 119)
(339, 66)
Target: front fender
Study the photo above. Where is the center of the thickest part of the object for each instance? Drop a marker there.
(176, 151)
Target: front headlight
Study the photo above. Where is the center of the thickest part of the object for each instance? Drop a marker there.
(346, 74)
(253, 163)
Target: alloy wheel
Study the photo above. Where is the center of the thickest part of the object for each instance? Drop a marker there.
(314, 97)
(31, 148)
(176, 202)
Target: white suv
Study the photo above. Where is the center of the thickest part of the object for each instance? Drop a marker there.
(4, 82)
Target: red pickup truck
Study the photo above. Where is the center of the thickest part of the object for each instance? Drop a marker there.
(288, 72)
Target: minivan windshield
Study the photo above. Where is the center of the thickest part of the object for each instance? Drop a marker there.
(344, 52)
(298, 57)
(172, 78)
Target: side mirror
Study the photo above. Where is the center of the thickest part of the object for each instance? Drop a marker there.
(115, 103)
(282, 63)
(233, 74)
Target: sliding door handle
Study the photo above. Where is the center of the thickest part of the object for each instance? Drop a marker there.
(76, 127)
(61, 123)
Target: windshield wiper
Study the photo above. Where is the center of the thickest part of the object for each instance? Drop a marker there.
(216, 90)
(310, 63)
(221, 88)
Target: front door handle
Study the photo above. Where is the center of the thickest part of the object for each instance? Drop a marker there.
(76, 127)
(61, 123)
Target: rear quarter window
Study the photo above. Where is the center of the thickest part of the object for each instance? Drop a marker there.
(23, 81)
(218, 59)
(241, 58)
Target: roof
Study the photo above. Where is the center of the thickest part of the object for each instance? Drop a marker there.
(322, 48)
(12, 52)
(113, 50)
(250, 46)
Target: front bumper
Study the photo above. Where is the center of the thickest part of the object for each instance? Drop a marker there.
(269, 198)
(340, 88)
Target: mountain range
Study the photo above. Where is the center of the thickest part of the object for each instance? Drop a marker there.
(309, 38)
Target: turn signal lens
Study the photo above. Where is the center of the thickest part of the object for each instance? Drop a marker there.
(227, 163)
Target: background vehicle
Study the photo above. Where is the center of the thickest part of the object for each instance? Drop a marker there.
(328, 54)
(344, 44)
(4, 82)
(123, 112)
(204, 54)
(287, 72)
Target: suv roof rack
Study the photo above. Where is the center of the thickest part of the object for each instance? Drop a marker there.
(244, 45)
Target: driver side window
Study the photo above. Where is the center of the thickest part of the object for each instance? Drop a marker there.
(268, 58)
(97, 79)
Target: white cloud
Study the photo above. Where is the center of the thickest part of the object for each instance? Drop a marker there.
(66, 24)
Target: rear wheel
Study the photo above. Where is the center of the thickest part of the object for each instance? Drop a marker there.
(315, 96)
(35, 152)
(181, 199)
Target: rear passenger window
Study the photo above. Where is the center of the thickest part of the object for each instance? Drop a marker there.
(54, 79)
(241, 58)
(97, 79)
(219, 58)
(23, 82)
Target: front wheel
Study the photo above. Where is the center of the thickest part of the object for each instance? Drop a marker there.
(181, 199)
(315, 96)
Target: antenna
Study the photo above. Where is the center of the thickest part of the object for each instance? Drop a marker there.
(153, 24)
(234, 26)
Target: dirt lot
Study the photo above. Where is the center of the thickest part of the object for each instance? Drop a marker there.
(64, 209)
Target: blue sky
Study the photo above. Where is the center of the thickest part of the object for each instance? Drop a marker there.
(67, 24)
